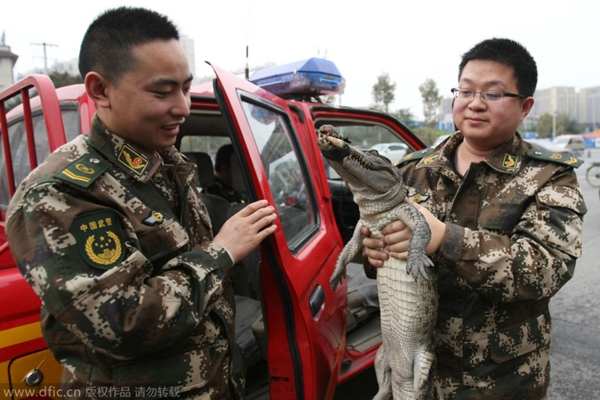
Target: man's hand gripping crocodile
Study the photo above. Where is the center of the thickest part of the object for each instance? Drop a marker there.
(407, 289)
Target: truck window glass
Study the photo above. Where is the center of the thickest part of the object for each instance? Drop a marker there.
(285, 173)
(365, 135)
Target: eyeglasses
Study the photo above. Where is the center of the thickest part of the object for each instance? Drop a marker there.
(486, 95)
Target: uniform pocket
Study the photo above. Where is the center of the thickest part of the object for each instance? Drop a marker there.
(510, 343)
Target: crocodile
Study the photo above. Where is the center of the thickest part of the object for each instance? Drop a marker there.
(407, 289)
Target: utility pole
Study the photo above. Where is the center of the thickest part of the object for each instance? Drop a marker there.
(553, 124)
(45, 54)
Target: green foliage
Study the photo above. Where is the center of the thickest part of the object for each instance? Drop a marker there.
(12, 103)
(404, 115)
(563, 125)
(61, 79)
(431, 101)
(427, 134)
(383, 92)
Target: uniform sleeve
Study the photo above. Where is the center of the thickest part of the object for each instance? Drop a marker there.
(534, 259)
(125, 310)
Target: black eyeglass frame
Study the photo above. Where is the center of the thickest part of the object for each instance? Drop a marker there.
(455, 92)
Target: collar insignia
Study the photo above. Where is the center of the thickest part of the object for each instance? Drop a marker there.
(155, 218)
(510, 161)
(133, 160)
(430, 158)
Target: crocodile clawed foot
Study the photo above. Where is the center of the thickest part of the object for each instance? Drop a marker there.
(336, 279)
(418, 266)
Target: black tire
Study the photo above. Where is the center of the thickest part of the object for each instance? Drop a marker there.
(593, 175)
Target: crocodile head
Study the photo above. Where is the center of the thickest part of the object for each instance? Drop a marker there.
(360, 168)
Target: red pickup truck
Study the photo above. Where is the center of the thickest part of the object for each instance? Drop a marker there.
(300, 338)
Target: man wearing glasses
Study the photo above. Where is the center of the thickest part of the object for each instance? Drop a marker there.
(506, 222)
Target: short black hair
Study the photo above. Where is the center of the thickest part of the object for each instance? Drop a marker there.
(510, 53)
(223, 156)
(107, 44)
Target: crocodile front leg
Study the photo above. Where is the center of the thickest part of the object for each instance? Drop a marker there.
(351, 250)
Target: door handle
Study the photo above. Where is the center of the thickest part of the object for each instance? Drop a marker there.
(316, 300)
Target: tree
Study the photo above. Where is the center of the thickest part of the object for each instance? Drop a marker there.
(404, 115)
(562, 123)
(431, 101)
(61, 79)
(383, 92)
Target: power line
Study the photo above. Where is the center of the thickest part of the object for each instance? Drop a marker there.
(45, 45)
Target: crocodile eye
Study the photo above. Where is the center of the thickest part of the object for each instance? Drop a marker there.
(374, 152)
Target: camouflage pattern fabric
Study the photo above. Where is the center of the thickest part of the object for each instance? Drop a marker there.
(135, 296)
(514, 226)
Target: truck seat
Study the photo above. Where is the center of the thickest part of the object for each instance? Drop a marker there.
(205, 173)
(216, 206)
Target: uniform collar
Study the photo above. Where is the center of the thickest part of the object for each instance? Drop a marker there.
(127, 156)
(505, 158)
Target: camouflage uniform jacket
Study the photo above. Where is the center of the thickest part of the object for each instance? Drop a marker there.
(135, 296)
(513, 233)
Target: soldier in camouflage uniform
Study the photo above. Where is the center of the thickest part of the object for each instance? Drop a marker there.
(506, 222)
(112, 235)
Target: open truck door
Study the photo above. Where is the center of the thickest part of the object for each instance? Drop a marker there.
(305, 321)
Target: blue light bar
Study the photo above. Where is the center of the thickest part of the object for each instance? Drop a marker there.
(314, 76)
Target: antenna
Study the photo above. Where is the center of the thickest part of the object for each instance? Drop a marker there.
(247, 70)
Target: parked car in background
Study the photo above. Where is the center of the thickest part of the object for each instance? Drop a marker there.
(393, 151)
(575, 143)
(548, 145)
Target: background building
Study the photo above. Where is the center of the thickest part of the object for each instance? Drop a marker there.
(445, 120)
(589, 108)
(188, 47)
(7, 63)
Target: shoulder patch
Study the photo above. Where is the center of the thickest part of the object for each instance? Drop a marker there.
(99, 238)
(558, 158)
(83, 171)
(414, 156)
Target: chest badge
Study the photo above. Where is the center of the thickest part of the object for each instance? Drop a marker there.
(419, 198)
(133, 160)
(99, 239)
(155, 218)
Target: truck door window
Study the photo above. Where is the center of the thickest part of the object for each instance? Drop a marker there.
(284, 168)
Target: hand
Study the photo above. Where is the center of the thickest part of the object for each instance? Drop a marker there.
(437, 227)
(396, 238)
(244, 231)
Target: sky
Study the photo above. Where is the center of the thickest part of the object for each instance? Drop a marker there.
(410, 40)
